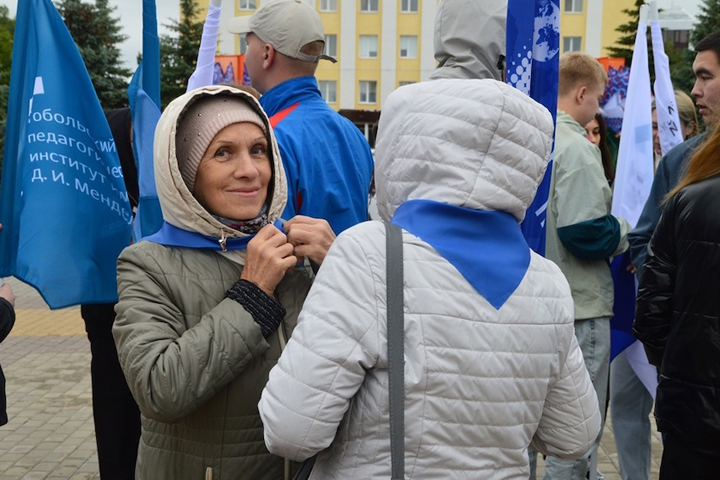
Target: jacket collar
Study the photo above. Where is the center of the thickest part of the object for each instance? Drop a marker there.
(487, 248)
(566, 119)
(289, 93)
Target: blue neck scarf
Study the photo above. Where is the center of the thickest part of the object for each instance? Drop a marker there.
(172, 236)
(487, 248)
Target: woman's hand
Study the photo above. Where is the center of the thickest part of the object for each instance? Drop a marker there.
(269, 257)
(311, 237)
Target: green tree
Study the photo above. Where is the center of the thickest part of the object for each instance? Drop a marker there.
(97, 34)
(178, 51)
(7, 29)
(625, 45)
(708, 21)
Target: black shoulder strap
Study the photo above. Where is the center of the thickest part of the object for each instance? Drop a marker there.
(395, 341)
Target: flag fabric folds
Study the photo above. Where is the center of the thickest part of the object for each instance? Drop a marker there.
(205, 68)
(633, 181)
(64, 206)
(144, 97)
(533, 48)
(667, 114)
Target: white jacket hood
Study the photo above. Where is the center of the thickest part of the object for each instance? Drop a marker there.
(490, 153)
(469, 38)
(179, 206)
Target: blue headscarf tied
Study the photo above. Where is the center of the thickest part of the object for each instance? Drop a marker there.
(172, 236)
(487, 248)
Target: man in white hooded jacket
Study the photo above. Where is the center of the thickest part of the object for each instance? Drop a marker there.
(492, 365)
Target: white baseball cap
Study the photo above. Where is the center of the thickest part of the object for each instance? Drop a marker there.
(287, 25)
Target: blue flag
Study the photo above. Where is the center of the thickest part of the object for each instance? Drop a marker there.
(64, 207)
(533, 48)
(144, 96)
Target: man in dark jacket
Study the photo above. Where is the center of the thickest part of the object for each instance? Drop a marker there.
(630, 400)
(678, 322)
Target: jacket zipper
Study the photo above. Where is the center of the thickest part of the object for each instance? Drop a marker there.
(223, 241)
(208, 473)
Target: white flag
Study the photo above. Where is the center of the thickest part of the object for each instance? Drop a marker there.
(667, 114)
(635, 173)
(203, 74)
(635, 169)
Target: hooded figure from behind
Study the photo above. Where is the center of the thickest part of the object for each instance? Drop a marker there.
(470, 39)
(492, 365)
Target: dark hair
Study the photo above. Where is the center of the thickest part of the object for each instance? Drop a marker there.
(710, 42)
(604, 150)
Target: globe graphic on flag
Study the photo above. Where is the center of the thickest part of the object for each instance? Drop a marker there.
(546, 41)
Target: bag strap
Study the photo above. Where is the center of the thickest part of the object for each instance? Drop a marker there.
(395, 341)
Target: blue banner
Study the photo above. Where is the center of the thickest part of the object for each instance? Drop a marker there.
(533, 49)
(64, 207)
(144, 96)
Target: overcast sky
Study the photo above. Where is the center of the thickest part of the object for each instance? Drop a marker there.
(130, 13)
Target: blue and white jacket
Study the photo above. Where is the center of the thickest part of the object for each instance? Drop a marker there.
(327, 160)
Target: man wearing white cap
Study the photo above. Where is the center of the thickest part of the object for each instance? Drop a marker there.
(327, 160)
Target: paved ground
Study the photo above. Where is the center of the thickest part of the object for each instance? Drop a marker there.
(50, 435)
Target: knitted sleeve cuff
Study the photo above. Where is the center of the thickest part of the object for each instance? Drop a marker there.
(265, 310)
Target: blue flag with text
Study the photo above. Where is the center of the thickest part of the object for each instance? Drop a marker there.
(533, 49)
(63, 204)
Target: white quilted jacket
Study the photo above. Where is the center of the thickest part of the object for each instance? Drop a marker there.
(481, 384)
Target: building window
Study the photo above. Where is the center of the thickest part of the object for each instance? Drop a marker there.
(573, 6)
(369, 5)
(409, 6)
(368, 46)
(330, 45)
(328, 89)
(328, 5)
(408, 46)
(243, 43)
(368, 92)
(246, 4)
(402, 84)
(571, 44)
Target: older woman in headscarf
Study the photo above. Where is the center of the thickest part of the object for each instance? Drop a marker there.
(207, 304)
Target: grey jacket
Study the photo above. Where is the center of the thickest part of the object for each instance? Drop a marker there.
(581, 233)
(195, 362)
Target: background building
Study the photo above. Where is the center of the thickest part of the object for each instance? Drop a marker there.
(379, 44)
(383, 44)
(590, 25)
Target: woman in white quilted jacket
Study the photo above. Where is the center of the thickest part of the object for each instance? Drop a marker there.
(491, 361)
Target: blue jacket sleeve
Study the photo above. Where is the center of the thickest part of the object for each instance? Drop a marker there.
(666, 177)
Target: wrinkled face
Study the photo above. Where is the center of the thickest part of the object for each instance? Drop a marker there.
(234, 173)
(707, 85)
(590, 103)
(592, 132)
